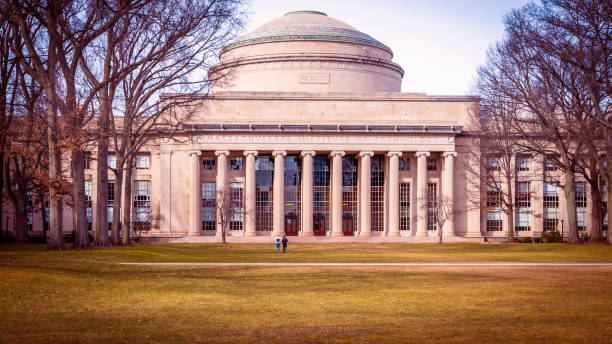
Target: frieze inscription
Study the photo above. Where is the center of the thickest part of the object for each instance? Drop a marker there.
(324, 139)
(313, 78)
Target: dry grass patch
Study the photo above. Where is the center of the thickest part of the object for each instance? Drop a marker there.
(86, 297)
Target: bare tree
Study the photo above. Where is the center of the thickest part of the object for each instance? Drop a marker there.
(230, 209)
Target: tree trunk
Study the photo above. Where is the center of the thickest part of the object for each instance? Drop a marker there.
(55, 240)
(594, 223)
(570, 201)
(102, 238)
(81, 237)
(1, 188)
(21, 223)
(117, 205)
(45, 224)
(609, 190)
(127, 206)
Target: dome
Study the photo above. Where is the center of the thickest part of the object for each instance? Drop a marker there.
(308, 51)
(306, 25)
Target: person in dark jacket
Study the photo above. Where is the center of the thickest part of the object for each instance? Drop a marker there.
(285, 241)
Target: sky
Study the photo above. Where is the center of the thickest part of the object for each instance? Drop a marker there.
(438, 43)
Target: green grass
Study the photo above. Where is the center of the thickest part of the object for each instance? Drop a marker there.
(87, 297)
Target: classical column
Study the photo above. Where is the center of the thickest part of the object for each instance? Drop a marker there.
(365, 194)
(336, 203)
(394, 193)
(222, 190)
(195, 194)
(166, 188)
(307, 187)
(422, 194)
(278, 222)
(156, 195)
(448, 197)
(250, 192)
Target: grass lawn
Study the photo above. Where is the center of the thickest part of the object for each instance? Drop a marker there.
(87, 297)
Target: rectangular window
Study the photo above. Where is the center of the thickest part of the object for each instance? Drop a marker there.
(208, 164)
(432, 206)
(431, 165)
(350, 198)
(404, 164)
(111, 201)
(320, 194)
(551, 206)
(88, 195)
(522, 162)
(377, 193)
(264, 175)
(112, 161)
(493, 163)
(581, 205)
(549, 165)
(236, 164)
(142, 161)
(29, 208)
(404, 199)
(494, 220)
(209, 206)
(142, 205)
(522, 217)
(236, 206)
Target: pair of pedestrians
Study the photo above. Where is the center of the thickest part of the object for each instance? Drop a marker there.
(278, 241)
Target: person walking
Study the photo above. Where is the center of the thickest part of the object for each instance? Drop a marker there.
(285, 241)
(277, 242)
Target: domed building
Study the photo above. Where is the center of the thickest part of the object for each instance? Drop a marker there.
(310, 136)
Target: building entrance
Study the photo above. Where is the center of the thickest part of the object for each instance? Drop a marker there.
(347, 225)
(319, 225)
(291, 228)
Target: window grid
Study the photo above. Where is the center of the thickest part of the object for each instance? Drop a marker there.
(404, 199)
(551, 207)
(350, 195)
(321, 192)
(88, 203)
(29, 206)
(431, 165)
(378, 193)
(522, 162)
(111, 160)
(494, 220)
(142, 161)
(88, 160)
(493, 163)
(236, 206)
(293, 191)
(264, 205)
(432, 199)
(522, 218)
(142, 205)
(208, 164)
(549, 165)
(111, 201)
(236, 164)
(404, 164)
(581, 204)
(209, 206)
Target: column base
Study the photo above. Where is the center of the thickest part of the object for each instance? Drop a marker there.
(307, 233)
(335, 234)
(447, 235)
(394, 234)
(421, 234)
(365, 234)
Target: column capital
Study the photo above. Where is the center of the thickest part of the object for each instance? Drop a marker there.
(311, 153)
(418, 154)
(283, 153)
(217, 153)
(335, 153)
(368, 153)
(447, 154)
(394, 153)
(250, 152)
(196, 152)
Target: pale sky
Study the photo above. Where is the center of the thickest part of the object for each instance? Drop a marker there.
(438, 43)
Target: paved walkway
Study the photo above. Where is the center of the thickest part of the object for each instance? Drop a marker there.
(370, 264)
(317, 239)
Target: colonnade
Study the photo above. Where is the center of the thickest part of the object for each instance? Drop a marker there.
(195, 199)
